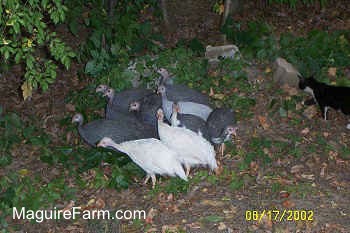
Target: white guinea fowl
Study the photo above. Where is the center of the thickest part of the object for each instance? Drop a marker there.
(151, 155)
(191, 147)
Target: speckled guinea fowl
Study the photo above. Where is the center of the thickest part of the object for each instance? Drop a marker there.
(179, 92)
(219, 120)
(194, 123)
(146, 108)
(120, 130)
(192, 148)
(221, 126)
(119, 102)
(151, 155)
(192, 108)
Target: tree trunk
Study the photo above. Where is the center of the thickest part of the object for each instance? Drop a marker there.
(165, 14)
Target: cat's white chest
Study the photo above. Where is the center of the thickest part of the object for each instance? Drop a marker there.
(310, 91)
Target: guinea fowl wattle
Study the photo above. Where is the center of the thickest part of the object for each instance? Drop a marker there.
(151, 155)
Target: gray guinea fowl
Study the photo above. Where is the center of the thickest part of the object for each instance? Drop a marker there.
(191, 122)
(221, 126)
(119, 102)
(192, 108)
(120, 130)
(179, 92)
(146, 108)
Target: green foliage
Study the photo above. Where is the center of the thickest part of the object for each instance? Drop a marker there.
(21, 191)
(236, 182)
(312, 54)
(316, 52)
(256, 41)
(25, 37)
(257, 152)
(113, 38)
(10, 128)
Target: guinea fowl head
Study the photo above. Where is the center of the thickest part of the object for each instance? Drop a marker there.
(109, 93)
(78, 118)
(134, 106)
(105, 142)
(160, 114)
(231, 130)
(102, 88)
(176, 107)
(161, 89)
(163, 72)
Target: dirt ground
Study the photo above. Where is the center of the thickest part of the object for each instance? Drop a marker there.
(208, 207)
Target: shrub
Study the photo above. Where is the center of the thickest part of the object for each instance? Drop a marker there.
(26, 38)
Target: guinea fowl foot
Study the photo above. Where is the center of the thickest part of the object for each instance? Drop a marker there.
(188, 168)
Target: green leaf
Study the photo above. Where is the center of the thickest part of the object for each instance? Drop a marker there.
(214, 218)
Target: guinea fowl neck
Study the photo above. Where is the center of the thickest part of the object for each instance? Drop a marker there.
(116, 146)
(174, 120)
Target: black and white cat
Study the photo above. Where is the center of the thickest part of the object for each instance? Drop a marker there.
(327, 96)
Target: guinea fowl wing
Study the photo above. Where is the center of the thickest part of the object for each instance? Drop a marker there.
(122, 99)
(178, 92)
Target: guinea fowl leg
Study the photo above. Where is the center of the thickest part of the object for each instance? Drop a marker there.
(146, 179)
(188, 168)
(222, 147)
(154, 180)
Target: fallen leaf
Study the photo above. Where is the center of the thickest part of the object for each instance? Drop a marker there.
(296, 168)
(305, 131)
(268, 70)
(222, 226)
(308, 177)
(69, 206)
(70, 107)
(284, 194)
(288, 204)
(23, 172)
(263, 122)
(332, 71)
(150, 215)
(221, 9)
(26, 90)
(212, 203)
(100, 204)
(323, 168)
(170, 229)
(218, 96)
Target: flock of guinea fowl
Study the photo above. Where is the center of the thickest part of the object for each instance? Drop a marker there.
(164, 132)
